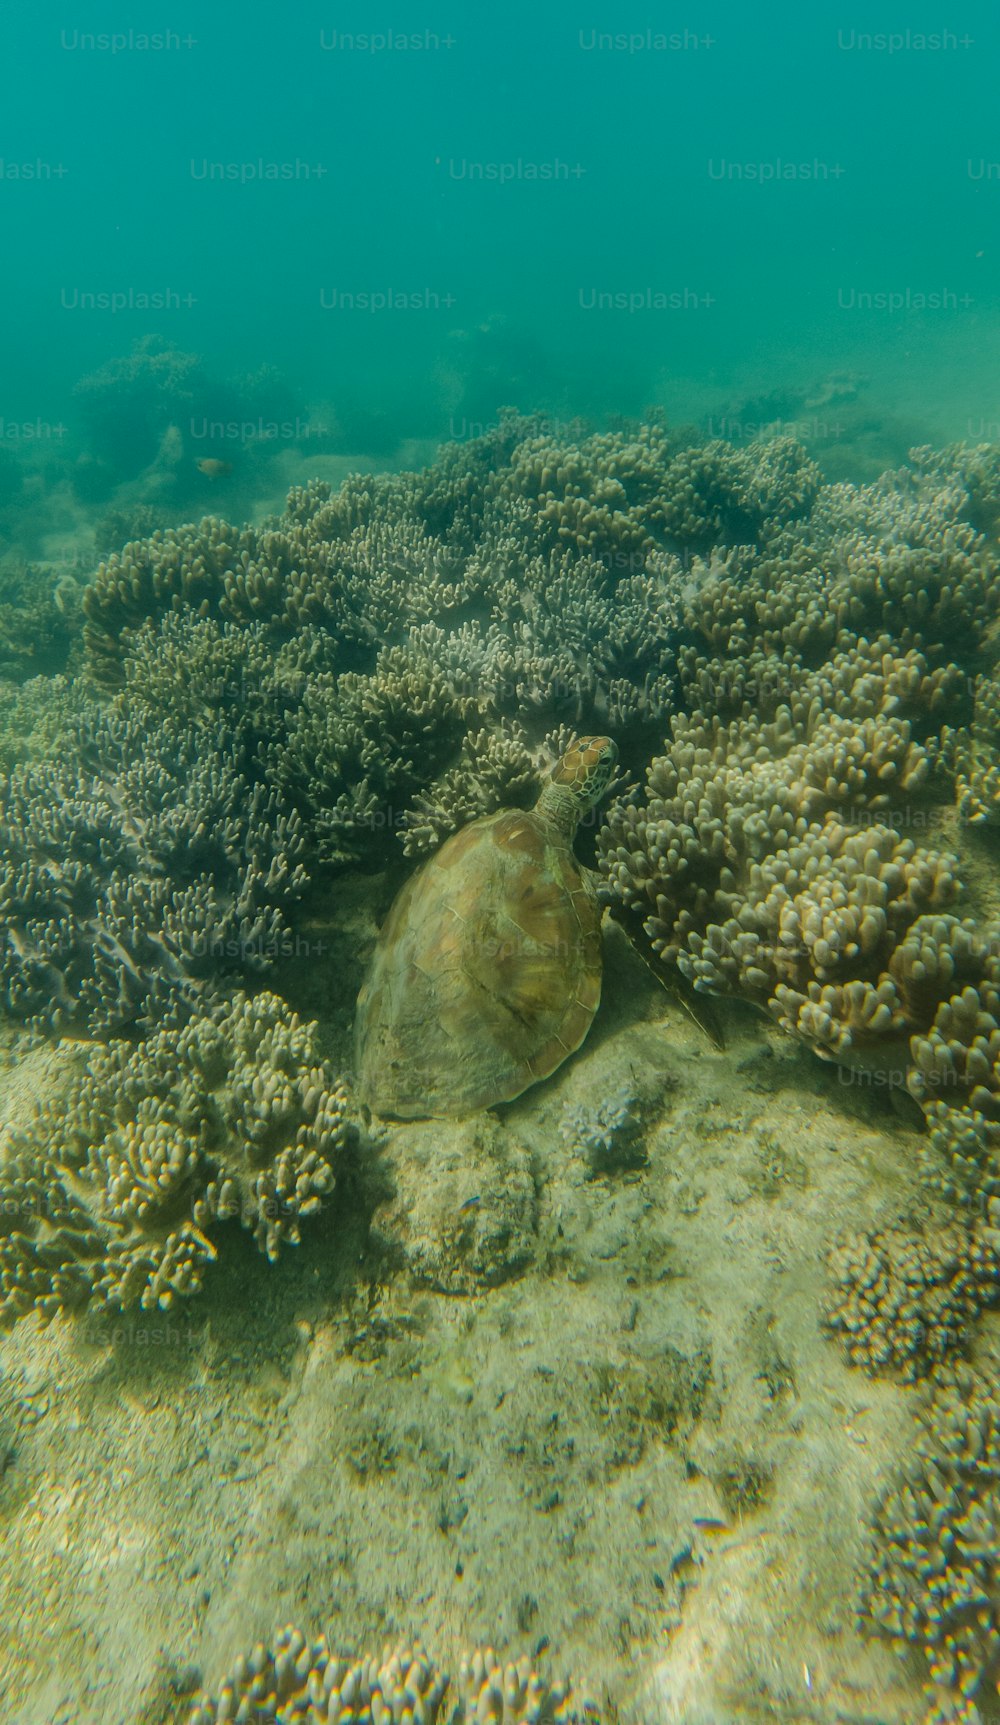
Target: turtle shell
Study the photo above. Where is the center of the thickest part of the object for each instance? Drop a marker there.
(486, 975)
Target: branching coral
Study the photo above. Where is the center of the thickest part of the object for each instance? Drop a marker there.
(972, 753)
(113, 1196)
(382, 659)
(934, 1575)
(300, 1679)
(494, 770)
(904, 1302)
(122, 885)
(900, 556)
(758, 864)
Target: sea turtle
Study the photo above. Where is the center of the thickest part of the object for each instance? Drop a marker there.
(487, 972)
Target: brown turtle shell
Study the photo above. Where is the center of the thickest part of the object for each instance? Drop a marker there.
(486, 975)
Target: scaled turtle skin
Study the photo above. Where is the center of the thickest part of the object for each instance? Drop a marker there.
(487, 972)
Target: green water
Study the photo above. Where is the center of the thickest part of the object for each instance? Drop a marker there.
(419, 218)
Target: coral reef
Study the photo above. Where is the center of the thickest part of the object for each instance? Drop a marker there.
(40, 718)
(150, 857)
(900, 557)
(903, 1302)
(934, 1575)
(128, 403)
(616, 496)
(299, 1679)
(973, 754)
(85, 940)
(553, 565)
(154, 408)
(112, 1196)
(381, 664)
(806, 674)
(964, 1160)
(759, 865)
(39, 621)
(94, 933)
(975, 468)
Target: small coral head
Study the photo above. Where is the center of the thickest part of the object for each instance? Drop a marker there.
(587, 769)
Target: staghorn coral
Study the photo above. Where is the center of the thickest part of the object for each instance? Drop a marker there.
(112, 1197)
(363, 657)
(84, 939)
(904, 1302)
(298, 1680)
(569, 637)
(933, 1580)
(592, 498)
(175, 568)
(359, 747)
(41, 718)
(717, 493)
(121, 886)
(976, 469)
(385, 554)
(615, 496)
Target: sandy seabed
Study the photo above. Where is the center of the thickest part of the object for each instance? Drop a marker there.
(496, 1395)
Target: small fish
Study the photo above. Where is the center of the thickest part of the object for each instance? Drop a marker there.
(710, 1524)
(215, 468)
(470, 1203)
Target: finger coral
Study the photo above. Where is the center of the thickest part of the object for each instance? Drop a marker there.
(973, 754)
(298, 1680)
(904, 1302)
(113, 1196)
(758, 863)
(933, 1580)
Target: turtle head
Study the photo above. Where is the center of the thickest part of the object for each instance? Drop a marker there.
(586, 770)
